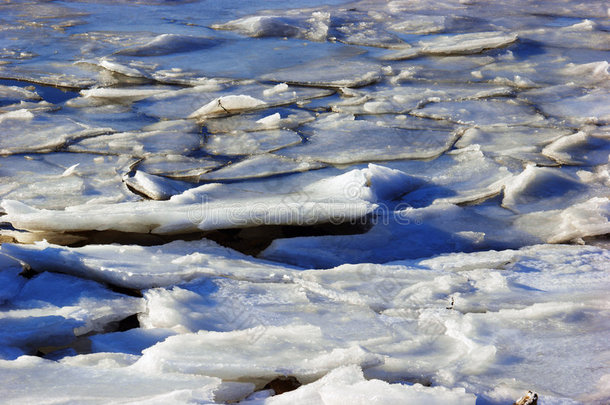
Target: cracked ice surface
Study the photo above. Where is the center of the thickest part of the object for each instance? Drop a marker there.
(388, 201)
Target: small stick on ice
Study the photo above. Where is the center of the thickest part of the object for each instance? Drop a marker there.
(530, 398)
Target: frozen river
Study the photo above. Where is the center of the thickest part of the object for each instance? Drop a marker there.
(376, 202)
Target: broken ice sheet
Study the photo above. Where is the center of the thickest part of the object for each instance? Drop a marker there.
(592, 107)
(482, 112)
(178, 166)
(11, 281)
(154, 187)
(457, 44)
(402, 99)
(34, 380)
(45, 132)
(140, 144)
(205, 101)
(460, 176)
(342, 139)
(340, 71)
(590, 146)
(248, 143)
(235, 59)
(283, 118)
(53, 309)
(145, 267)
(350, 195)
(15, 94)
(347, 383)
(222, 305)
(522, 142)
(299, 350)
(547, 188)
(262, 165)
(405, 232)
(56, 180)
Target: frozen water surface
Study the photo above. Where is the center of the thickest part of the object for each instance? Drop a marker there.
(290, 202)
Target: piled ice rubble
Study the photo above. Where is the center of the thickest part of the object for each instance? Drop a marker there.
(380, 201)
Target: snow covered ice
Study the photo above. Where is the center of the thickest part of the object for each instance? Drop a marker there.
(321, 202)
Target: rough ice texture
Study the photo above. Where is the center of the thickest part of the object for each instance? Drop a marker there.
(440, 274)
(349, 196)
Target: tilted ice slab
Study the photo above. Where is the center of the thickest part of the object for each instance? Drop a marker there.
(258, 121)
(212, 101)
(299, 350)
(154, 187)
(249, 143)
(136, 266)
(449, 320)
(402, 99)
(335, 72)
(458, 44)
(215, 206)
(352, 26)
(139, 144)
(262, 165)
(53, 309)
(482, 112)
(177, 166)
(592, 107)
(341, 139)
(520, 142)
(43, 132)
(402, 232)
(57, 180)
(590, 146)
(347, 385)
(466, 175)
(31, 379)
(14, 94)
(546, 188)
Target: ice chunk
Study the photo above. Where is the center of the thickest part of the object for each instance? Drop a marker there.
(299, 350)
(347, 384)
(588, 218)
(340, 139)
(35, 380)
(132, 341)
(402, 99)
(52, 309)
(144, 267)
(10, 280)
(201, 208)
(543, 188)
(582, 148)
(336, 73)
(154, 187)
(286, 119)
(249, 143)
(178, 166)
(252, 96)
(45, 132)
(482, 112)
(119, 94)
(589, 108)
(263, 165)
(227, 105)
(139, 144)
(458, 44)
(522, 142)
(165, 44)
(261, 26)
(55, 180)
